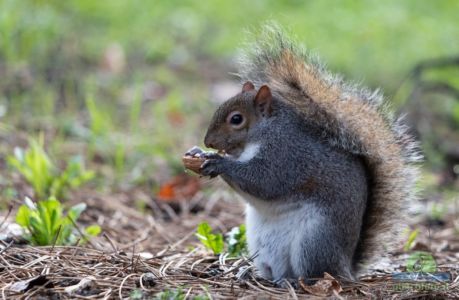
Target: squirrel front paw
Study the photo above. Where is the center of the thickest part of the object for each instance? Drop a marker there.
(212, 166)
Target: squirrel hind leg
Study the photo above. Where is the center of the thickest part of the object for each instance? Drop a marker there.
(313, 256)
(265, 271)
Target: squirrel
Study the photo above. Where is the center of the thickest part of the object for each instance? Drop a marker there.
(325, 168)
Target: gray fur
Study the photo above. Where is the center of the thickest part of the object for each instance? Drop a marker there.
(363, 182)
(391, 192)
(295, 171)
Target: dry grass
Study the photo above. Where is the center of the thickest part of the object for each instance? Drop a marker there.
(140, 256)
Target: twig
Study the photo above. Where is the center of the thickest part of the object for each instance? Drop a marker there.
(82, 234)
(10, 208)
(6, 247)
(56, 237)
(110, 242)
(142, 238)
(291, 290)
(120, 294)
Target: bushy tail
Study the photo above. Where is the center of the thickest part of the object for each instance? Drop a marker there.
(352, 118)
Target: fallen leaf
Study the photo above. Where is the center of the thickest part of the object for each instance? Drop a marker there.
(25, 285)
(166, 192)
(11, 231)
(182, 186)
(420, 246)
(146, 255)
(143, 255)
(323, 287)
(84, 283)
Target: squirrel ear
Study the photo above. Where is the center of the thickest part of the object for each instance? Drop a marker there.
(248, 86)
(263, 101)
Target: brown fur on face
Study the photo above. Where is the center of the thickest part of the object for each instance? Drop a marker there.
(252, 105)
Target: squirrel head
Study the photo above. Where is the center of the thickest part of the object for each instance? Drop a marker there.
(234, 119)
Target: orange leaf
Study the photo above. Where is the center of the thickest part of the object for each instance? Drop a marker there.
(182, 186)
(166, 192)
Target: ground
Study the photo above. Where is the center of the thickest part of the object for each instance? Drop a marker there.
(141, 254)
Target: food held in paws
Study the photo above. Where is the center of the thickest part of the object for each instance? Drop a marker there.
(193, 159)
(193, 163)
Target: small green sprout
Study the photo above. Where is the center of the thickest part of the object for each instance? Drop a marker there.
(178, 294)
(136, 294)
(39, 171)
(46, 223)
(421, 261)
(237, 241)
(438, 212)
(411, 239)
(211, 241)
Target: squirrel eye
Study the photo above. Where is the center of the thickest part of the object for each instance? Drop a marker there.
(236, 119)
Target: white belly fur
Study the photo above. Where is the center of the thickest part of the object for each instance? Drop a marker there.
(275, 233)
(276, 230)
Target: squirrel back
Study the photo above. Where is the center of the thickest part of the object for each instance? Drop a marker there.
(351, 118)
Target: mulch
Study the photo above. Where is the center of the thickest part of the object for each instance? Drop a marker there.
(142, 254)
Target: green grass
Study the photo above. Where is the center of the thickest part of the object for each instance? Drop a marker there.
(133, 118)
(367, 39)
(42, 174)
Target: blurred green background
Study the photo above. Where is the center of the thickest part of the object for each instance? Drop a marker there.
(130, 85)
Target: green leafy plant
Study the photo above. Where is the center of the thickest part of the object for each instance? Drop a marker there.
(438, 212)
(178, 294)
(46, 223)
(136, 294)
(105, 139)
(421, 261)
(211, 241)
(40, 172)
(237, 241)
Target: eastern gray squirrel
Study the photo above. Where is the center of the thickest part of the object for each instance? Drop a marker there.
(325, 168)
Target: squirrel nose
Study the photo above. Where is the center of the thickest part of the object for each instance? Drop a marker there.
(207, 142)
(209, 145)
